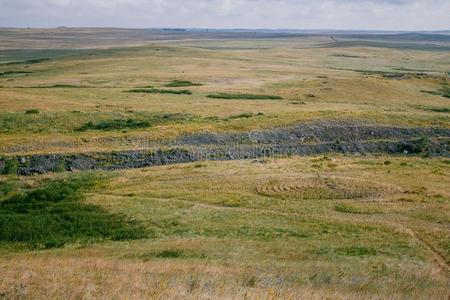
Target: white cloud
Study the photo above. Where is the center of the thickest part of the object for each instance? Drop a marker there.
(301, 14)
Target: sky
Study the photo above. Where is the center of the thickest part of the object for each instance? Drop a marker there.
(407, 15)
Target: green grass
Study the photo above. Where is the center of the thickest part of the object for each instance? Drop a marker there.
(11, 166)
(32, 111)
(352, 209)
(160, 91)
(444, 91)
(244, 116)
(116, 124)
(171, 253)
(121, 124)
(439, 109)
(13, 73)
(53, 214)
(181, 83)
(244, 96)
(81, 121)
(356, 251)
(28, 61)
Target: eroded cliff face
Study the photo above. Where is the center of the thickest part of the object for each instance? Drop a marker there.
(302, 139)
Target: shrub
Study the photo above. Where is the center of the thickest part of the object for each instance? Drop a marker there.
(244, 96)
(146, 121)
(444, 91)
(11, 166)
(8, 73)
(244, 116)
(32, 111)
(117, 124)
(52, 215)
(160, 91)
(440, 109)
(29, 61)
(171, 253)
(181, 83)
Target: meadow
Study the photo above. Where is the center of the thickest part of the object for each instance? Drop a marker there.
(340, 226)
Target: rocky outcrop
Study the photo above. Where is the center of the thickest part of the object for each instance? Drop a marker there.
(303, 139)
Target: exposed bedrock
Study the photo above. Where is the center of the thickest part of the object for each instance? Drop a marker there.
(316, 138)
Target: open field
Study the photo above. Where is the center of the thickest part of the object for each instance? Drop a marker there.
(261, 228)
(343, 193)
(315, 80)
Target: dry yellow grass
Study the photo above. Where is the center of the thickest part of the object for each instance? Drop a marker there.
(316, 83)
(235, 242)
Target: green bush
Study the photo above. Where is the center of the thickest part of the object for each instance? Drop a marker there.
(244, 116)
(52, 215)
(444, 91)
(160, 91)
(171, 253)
(32, 111)
(11, 166)
(144, 122)
(11, 73)
(117, 124)
(181, 83)
(244, 96)
(440, 109)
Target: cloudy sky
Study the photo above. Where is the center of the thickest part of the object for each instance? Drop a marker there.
(295, 14)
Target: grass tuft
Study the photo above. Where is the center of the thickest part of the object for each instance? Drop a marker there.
(171, 253)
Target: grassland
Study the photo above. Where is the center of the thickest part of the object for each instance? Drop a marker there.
(313, 227)
(213, 233)
(313, 81)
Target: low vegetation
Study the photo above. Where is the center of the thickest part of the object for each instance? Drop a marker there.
(53, 214)
(12, 73)
(354, 209)
(244, 96)
(41, 122)
(181, 83)
(116, 124)
(32, 111)
(444, 91)
(160, 91)
(28, 61)
(244, 116)
(144, 122)
(437, 109)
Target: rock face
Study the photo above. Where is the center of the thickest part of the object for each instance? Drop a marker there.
(306, 139)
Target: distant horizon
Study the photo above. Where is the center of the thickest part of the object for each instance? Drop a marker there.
(363, 15)
(230, 29)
